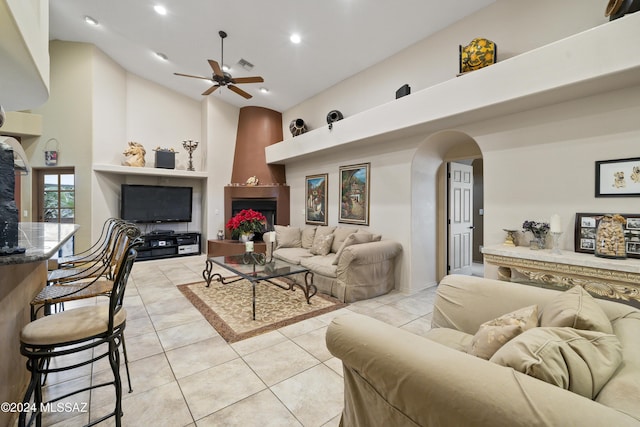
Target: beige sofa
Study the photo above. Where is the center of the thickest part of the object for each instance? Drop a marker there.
(348, 263)
(395, 378)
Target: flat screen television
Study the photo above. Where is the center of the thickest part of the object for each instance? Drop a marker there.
(155, 203)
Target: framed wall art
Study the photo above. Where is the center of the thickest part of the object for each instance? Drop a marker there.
(618, 178)
(316, 199)
(585, 233)
(354, 194)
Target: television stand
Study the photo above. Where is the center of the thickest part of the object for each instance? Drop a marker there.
(158, 245)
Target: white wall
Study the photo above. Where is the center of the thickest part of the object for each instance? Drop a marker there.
(67, 116)
(516, 27)
(221, 125)
(159, 117)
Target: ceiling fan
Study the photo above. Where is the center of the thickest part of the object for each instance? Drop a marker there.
(223, 78)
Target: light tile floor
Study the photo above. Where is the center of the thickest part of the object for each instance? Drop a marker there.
(184, 374)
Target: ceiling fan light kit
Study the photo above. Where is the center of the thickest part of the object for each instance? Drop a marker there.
(222, 78)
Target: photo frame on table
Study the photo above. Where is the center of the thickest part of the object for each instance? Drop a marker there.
(316, 199)
(354, 194)
(618, 178)
(585, 233)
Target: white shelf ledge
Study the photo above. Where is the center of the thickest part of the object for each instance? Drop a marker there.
(129, 170)
(589, 63)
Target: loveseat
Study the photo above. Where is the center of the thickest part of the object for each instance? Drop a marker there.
(395, 378)
(348, 263)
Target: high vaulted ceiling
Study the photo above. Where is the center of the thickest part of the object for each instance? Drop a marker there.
(339, 38)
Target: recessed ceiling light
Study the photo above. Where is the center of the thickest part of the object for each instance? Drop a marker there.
(264, 90)
(295, 38)
(162, 56)
(160, 9)
(226, 68)
(90, 20)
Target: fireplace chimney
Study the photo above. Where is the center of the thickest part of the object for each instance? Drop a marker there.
(258, 128)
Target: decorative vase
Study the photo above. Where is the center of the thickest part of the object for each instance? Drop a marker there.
(246, 237)
(297, 127)
(538, 243)
(334, 116)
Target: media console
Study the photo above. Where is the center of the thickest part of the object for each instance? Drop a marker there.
(168, 245)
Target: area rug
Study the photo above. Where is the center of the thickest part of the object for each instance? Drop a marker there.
(228, 307)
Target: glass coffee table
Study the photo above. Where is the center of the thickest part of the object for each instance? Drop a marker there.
(254, 268)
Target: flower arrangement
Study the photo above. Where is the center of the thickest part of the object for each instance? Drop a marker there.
(538, 229)
(247, 221)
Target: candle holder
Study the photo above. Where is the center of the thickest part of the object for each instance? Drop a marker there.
(190, 146)
(556, 242)
(510, 240)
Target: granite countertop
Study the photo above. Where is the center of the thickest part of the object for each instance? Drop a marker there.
(41, 240)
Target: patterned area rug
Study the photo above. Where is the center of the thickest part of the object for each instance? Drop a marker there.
(228, 307)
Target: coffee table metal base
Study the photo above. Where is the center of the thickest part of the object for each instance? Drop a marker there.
(309, 289)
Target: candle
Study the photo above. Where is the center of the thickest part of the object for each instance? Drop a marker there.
(248, 246)
(555, 225)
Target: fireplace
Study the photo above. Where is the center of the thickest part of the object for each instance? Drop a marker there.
(257, 128)
(271, 200)
(267, 207)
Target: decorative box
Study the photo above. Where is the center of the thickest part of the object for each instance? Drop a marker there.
(166, 159)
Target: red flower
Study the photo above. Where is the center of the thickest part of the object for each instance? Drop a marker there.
(247, 221)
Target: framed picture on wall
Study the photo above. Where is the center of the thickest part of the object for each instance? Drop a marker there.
(585, 233)
(618, 178)
(354, 194)
(316, 199)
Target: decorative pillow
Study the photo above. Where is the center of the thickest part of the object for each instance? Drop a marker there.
(576, 308)
(323, 230)
(308, 233)
(352, 239)
(322, 245)
(341, 233)
(497, 332)
(576, 360)
(287, 237)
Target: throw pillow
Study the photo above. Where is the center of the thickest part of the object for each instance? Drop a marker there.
(287, 237)
(576, 308)
(576, 360)
(339, 234)
(323, 230)
(352, 239)
(322, 245)
(495, 333)
(308, 233)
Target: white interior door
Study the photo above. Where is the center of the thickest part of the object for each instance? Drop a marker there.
(460, 219)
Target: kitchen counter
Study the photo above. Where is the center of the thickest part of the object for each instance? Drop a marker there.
(41, 240)
(22, 276)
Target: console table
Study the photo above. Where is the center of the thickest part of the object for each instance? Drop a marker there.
(229, 247)
(617, 279)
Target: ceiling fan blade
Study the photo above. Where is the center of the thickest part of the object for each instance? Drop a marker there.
(195, 77)
(239, 91)
(215, 67)
(239, 80)
(210, 90)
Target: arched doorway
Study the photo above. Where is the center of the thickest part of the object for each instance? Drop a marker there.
(429, 202)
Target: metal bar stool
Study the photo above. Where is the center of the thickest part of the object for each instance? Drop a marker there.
(74, 331)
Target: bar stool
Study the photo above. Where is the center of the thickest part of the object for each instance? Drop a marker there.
(74, 331)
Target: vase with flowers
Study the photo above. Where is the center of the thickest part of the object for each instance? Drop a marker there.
(245, 224)
(539, 231)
